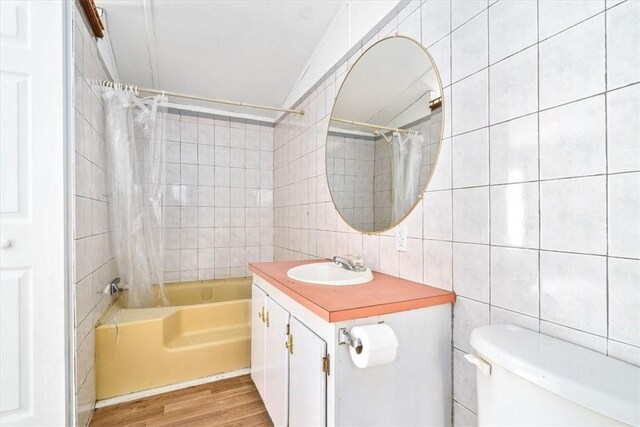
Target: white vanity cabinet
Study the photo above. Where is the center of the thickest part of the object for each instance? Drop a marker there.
(276, 362)
(306, 376)
(288, 364)
(258, 338)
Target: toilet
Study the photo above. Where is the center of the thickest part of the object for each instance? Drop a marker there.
(527, 378)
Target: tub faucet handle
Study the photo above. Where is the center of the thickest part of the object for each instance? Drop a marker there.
(113, 288)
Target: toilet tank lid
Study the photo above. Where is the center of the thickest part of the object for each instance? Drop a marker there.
(590, 379)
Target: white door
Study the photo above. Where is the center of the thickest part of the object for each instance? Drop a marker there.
(276, 397)
(258, 335)
(307, 378)
(33, 379)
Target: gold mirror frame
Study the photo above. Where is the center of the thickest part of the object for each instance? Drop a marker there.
(442, 126)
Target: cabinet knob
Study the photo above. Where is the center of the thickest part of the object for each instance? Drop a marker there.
(5, 243)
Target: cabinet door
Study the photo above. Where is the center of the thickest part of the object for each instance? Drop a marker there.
(258, 335)
(307, 379)
(277, 363)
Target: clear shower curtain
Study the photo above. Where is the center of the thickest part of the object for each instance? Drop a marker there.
(136, 156)
(407, 159)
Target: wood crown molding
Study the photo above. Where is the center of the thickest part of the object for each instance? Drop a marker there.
(91, 12)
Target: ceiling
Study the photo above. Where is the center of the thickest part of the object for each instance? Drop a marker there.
(250, 51)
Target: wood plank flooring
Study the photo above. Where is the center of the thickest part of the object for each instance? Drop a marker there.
(230, 402)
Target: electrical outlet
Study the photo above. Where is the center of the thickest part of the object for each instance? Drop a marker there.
(401, 238)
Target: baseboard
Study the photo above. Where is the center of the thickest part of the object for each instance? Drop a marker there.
(172, 387)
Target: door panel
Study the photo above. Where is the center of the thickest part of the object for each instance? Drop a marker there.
(307, 381)
(33, 334)
(277, 363)
(258, 335)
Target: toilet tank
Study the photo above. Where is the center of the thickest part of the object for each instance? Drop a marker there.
(527, 378)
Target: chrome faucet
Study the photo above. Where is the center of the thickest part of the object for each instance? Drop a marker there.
(348, 264)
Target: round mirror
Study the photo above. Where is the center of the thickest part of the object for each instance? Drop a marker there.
(384, 134)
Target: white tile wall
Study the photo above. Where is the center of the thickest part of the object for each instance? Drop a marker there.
(514, 280)
(573, 215)
(572, 139)
(623, 128)
(471, 159)
(624, 215)
(514, 86)
(539, 253)
(471, 215)
(512, 27)
(514, 215)
(470, 49)
(514, 150)
(624, 300)
(573, 290)
(558, 15)
(623, 55)
(471, 271)
(219, 213)
(94, 263)
(572, 63)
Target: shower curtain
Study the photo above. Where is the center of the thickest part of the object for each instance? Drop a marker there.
(136, 156)
(407, 160)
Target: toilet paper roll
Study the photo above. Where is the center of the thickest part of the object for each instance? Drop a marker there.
(379, 345)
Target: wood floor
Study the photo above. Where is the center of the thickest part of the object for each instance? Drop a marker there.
(231, 402)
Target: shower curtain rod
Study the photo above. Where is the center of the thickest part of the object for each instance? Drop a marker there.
(372, 126)
(136, 89)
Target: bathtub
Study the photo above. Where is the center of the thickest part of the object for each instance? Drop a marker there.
(206, 330)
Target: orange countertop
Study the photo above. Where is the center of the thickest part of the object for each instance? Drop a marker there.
(383, 295)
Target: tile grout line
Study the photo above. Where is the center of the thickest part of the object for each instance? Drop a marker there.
(606, 157)
(489, 156)
(538, 164)
(453, 316)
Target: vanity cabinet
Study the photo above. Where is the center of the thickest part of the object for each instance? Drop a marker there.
(258, 338)
(288, 364)
(308, 365)
(276, 363)
(303, 368)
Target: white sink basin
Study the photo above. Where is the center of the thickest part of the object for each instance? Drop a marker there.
(328, 273)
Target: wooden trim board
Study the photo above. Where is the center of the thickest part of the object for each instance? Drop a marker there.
(168, 388)
(91, 12)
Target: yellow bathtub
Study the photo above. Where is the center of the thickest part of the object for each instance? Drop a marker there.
(205, 331)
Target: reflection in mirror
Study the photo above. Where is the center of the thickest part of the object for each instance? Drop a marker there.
(384, 134)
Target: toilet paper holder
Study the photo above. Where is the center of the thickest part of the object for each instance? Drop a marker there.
(345, 338)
